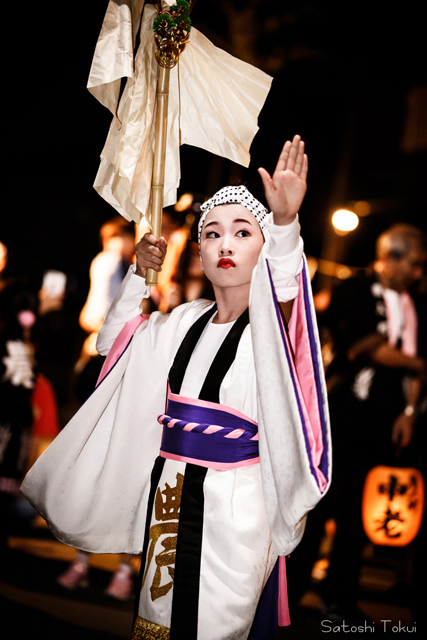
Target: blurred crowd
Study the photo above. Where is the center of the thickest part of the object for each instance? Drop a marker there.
(374, 336)
(48, 367)
(375, 360)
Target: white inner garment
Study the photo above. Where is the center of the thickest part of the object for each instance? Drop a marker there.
(204, 353)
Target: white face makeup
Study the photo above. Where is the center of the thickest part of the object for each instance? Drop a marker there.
(230, 244)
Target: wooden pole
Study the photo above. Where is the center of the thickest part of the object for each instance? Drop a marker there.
(158, 179)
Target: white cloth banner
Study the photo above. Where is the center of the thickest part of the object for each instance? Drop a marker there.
(214, 103)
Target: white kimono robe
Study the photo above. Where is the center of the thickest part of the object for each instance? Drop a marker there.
(92, 485)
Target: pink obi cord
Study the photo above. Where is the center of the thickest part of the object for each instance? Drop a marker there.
(208, 434)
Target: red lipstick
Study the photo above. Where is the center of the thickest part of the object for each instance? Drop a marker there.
(225, 263)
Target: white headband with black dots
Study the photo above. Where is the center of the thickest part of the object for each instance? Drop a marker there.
(235, 195)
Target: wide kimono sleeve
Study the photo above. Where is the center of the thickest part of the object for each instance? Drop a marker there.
(92, 484)
(293, 419)
(124, 308)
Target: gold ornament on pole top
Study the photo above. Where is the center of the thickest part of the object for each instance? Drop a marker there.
(171, 34)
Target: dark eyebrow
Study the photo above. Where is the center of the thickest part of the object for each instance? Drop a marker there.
(209, 224)
(243, 220)
(237, 220)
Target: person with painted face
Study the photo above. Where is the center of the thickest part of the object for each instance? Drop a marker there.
(206, 440)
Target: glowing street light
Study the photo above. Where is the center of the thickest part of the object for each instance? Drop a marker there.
(344, 221)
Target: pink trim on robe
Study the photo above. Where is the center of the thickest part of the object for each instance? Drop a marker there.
(304, 375)
(218, 466)
(120, 344)
(209, 405)
(284, 616)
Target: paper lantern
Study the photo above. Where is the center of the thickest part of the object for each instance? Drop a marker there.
(392, 505)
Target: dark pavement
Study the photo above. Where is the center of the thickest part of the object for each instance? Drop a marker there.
(33, 605)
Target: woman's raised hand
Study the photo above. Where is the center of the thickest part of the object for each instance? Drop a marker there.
(285, 190)
(150, 253)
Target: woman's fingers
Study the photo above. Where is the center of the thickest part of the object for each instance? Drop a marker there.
(157, 246)
(265, 177)
(162, 245)
(283, 158)
(299, 158)
(304, 168)
(149, 239)
(293, 153)
(150, 252)
(292, 158)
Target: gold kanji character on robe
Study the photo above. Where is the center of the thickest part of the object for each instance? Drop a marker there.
(165, 512)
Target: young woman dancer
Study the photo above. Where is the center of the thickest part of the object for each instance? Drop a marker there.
(206, 440)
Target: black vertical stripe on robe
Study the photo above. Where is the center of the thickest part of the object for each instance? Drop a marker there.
(185, 598)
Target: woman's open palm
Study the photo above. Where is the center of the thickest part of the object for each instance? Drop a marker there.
(285, 190)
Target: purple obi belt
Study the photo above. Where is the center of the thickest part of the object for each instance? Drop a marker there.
(208, 434)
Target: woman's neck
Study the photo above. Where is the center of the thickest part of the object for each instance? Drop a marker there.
(231, 303)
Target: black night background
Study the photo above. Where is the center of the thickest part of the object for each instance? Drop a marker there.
(350, 78)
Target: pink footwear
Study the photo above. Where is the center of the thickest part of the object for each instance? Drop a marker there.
(121, 585)
(75, 576)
